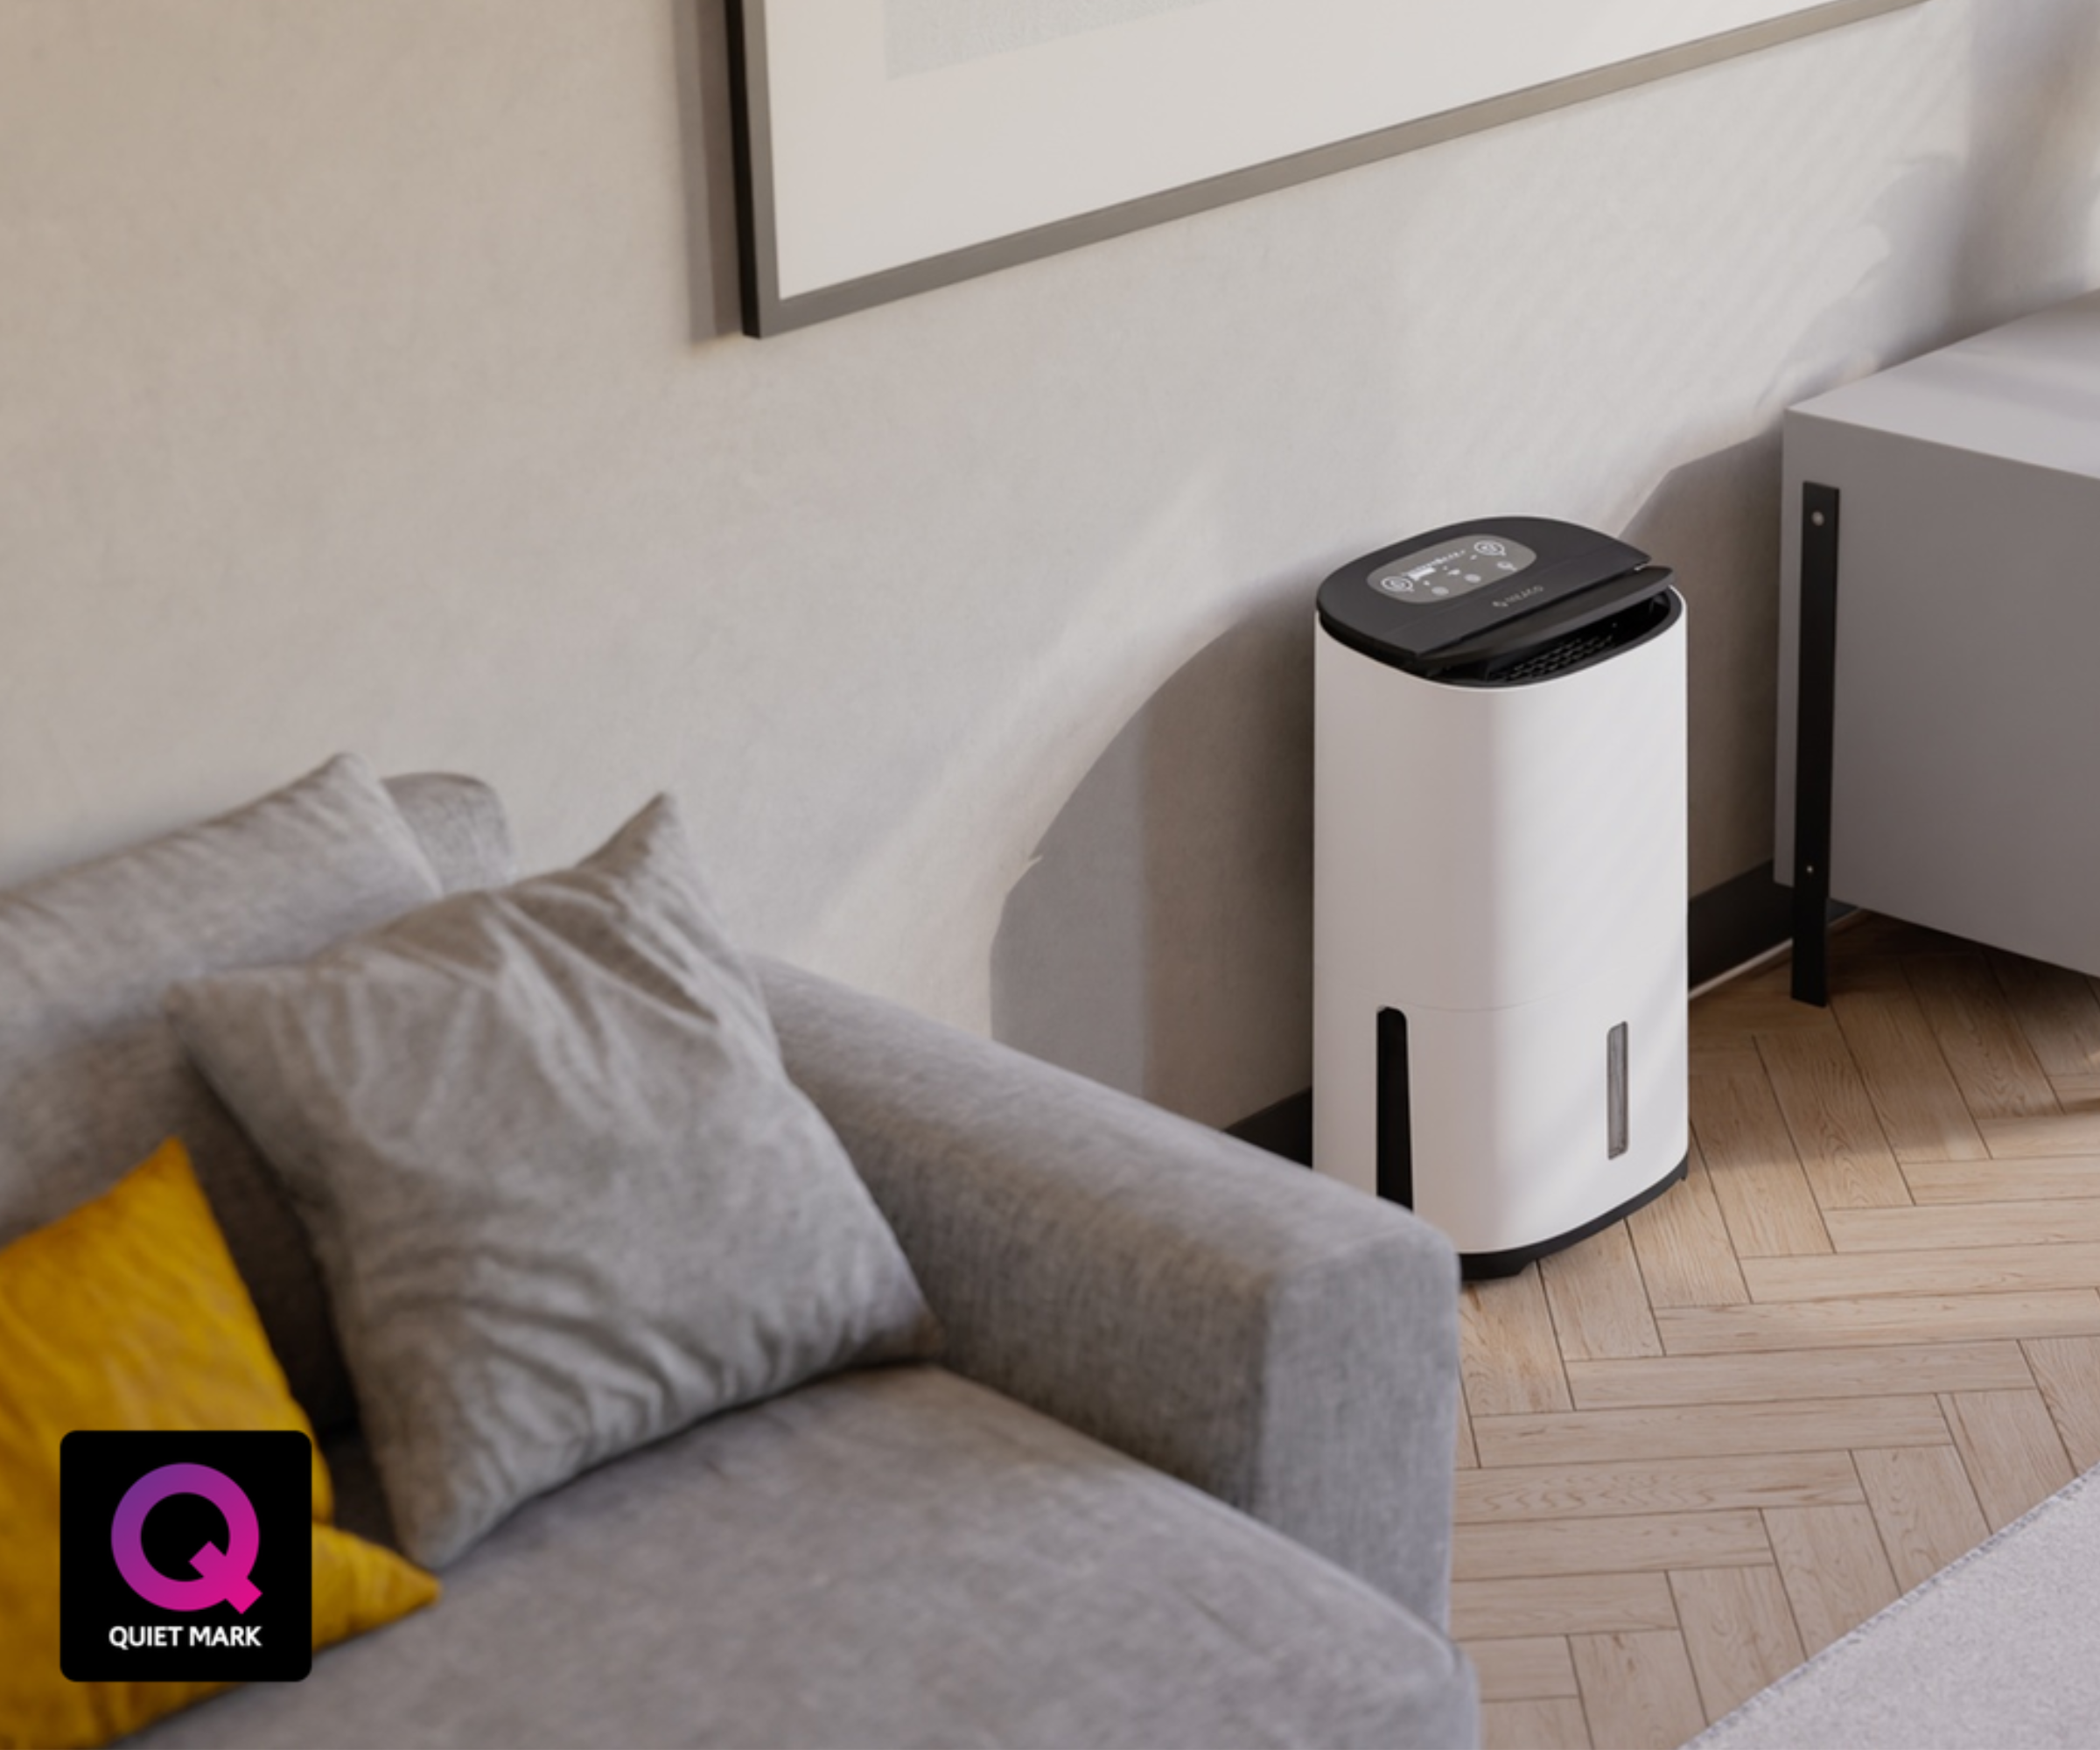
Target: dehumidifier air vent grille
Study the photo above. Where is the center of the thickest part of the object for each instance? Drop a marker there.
(1577, 646)
(1574, 649)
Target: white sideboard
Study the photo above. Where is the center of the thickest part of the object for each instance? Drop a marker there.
(1948, 510)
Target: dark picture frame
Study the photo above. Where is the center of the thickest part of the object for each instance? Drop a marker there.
(829, 227)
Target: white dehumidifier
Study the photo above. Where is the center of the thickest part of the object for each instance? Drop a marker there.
(1500, 884)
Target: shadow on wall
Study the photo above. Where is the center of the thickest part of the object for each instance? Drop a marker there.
(1979, 237)
(1715, 521)
(1161, 939)
(2029, 208)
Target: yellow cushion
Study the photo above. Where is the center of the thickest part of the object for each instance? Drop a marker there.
(129, 1314)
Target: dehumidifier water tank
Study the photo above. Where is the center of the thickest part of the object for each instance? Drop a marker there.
(1500, 884)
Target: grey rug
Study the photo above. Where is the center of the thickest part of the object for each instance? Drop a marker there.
(2001, 1650)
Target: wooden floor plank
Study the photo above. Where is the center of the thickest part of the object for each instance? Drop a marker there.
(1466, 1458)
(1758, 1003)
(1759, 1479)
(1993, 1065)
(1683, 1245)
(1868, 1322)
(2001, 1182)
(2068, 1370)
(1723, 1053)
(1871, 939)
(2056, 1010)
(1833, 1566)
(1815, 1424)
(1882, 1370)
(1582, 1604)
(1557, 1725)
(1827, 1108)
(1923, 1507)
(1638, 1690)
(1908, 1319)
(1966, 1269)
(1756, 1176)
(2011, 1449)
(1739, 1632)
(1632, 1543)
(1948, 1226)
(1508, 1353)
(1921, 1109)
(2074, 1132)
(1532, 1668)
(1599, 1303)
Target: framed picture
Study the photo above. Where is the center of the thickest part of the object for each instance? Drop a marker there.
(887, 146)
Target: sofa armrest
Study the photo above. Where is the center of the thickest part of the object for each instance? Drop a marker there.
(1284, 1343)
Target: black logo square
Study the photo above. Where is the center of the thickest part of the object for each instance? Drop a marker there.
(185, 1558)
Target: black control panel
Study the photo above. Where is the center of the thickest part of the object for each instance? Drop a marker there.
(1465, 599)
(1436, 573)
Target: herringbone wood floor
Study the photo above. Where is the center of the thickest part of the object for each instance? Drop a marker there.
(1862, 1335)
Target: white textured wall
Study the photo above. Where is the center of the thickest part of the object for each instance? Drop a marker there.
(349, 396)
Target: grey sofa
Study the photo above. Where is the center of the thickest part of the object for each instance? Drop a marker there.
(1182, 1476)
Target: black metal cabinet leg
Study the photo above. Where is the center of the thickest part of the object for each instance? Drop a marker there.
(1814, 731)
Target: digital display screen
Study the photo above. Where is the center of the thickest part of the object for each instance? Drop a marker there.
(1452, 569)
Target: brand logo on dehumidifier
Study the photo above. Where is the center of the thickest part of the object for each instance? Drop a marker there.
(1516, 596)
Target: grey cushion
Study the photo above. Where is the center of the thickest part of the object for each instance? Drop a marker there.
(565, 1196)
(886, 1558)
(461, 824)
(91, 1078)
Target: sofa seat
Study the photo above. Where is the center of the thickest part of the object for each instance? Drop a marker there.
(893, 1556)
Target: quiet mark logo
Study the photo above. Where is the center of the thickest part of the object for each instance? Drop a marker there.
(185, 1558)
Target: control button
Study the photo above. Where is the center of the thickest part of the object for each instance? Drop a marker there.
(1432, 575)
